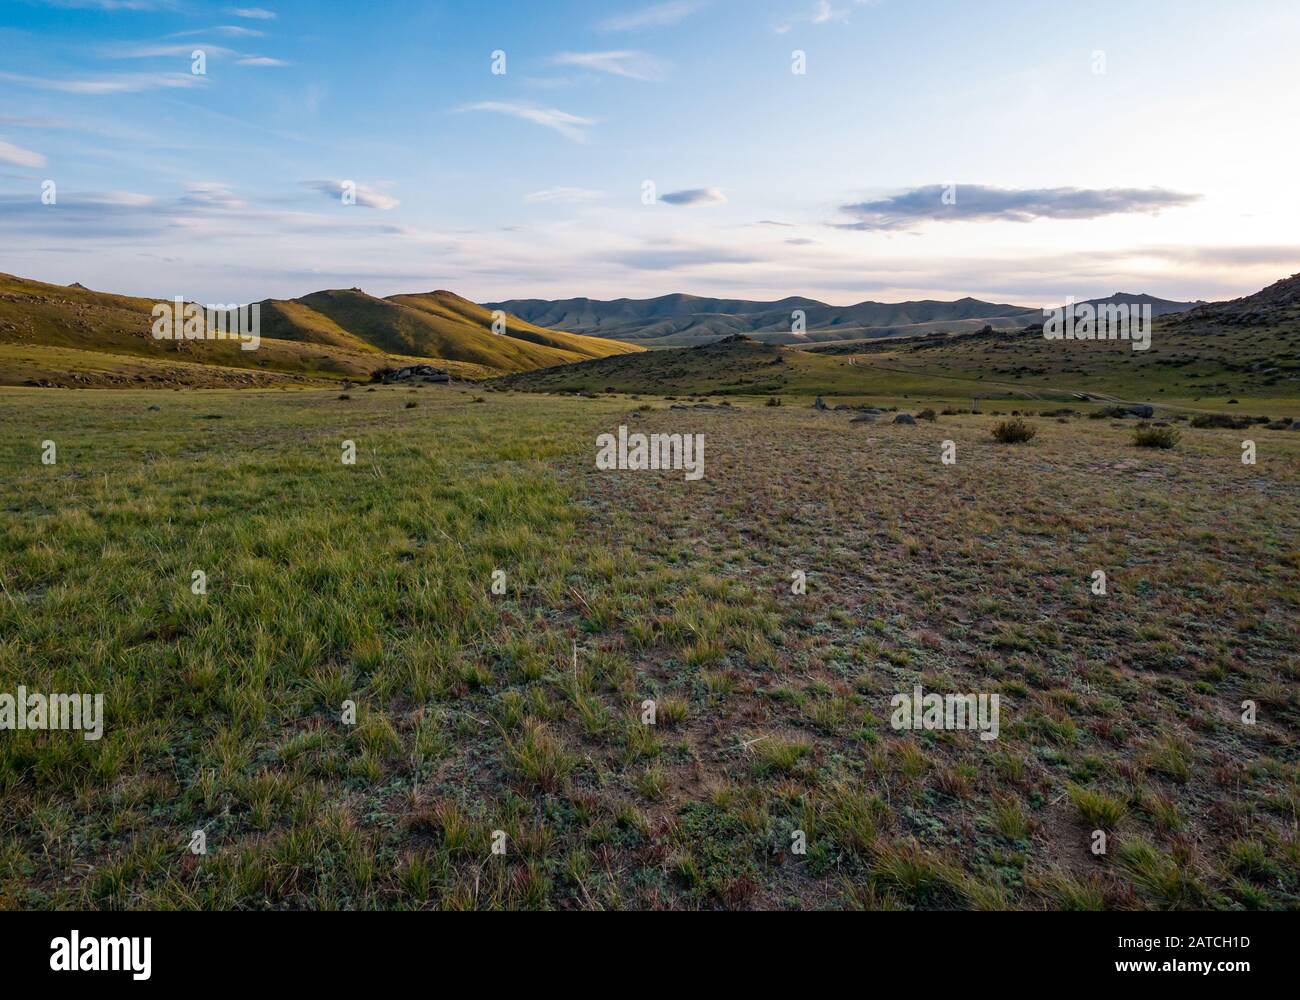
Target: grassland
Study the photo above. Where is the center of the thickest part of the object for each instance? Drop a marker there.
(521, 712)
(949, 372)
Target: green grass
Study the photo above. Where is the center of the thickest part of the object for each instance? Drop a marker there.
(372, 584)
(1236, 369)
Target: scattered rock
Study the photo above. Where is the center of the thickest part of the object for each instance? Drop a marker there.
(819, 404)
(427, 373)
(905, 418)
(156, 408)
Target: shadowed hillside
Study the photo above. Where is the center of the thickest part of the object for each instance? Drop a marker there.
(687, 320)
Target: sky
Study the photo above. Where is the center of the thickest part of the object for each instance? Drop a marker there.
(1011, 150)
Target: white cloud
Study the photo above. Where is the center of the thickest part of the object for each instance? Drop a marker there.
(117, 83)
(821, 12)
(564, 196)
(19, 157)
(253, 13)
(626, 63)
(114, 4)
(366, 196)
(147, 51)
(260, 61)
(230, 30)
(212, 194)
(124, 199)
(569, 126)
(656, 16)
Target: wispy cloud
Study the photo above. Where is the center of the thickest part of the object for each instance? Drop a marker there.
(230, 30)
(366, 196)
(28, 121)
(116, 83)
(260, 61)
(152, 51)
(253, 13)
(19, 157)
(979, 203)
(655, 16)
(659, 258)
(569, 126)
(212, 195)
(694, 196)
(564, 196)
(821, 12)
(626, 63)
(114, 4)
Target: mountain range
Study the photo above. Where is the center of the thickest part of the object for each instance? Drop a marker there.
(1214, 353)
(686, 320)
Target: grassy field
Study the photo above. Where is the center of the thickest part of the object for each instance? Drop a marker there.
(521, 712)
(900, 373)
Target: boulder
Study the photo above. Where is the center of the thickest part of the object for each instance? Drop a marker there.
(905, 418)
(427, 373)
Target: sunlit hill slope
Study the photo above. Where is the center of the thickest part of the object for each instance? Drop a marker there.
(56, 335)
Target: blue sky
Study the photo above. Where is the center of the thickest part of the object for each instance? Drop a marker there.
(1085, 147)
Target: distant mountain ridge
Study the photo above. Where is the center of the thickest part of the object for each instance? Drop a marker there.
(680, 320)
(1213, 355)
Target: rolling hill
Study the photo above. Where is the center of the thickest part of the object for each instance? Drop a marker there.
(686, 320)
(51, 334)
(1207, 356)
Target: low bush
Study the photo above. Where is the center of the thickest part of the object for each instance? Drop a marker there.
(1014, 432)
(1155, 437)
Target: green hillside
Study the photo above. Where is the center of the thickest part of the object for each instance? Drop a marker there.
(51, 334)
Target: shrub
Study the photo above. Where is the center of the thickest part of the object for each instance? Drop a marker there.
(1219, 420)
(1014, 431)
(927, 415)
(1155, 437)
(773, 401)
